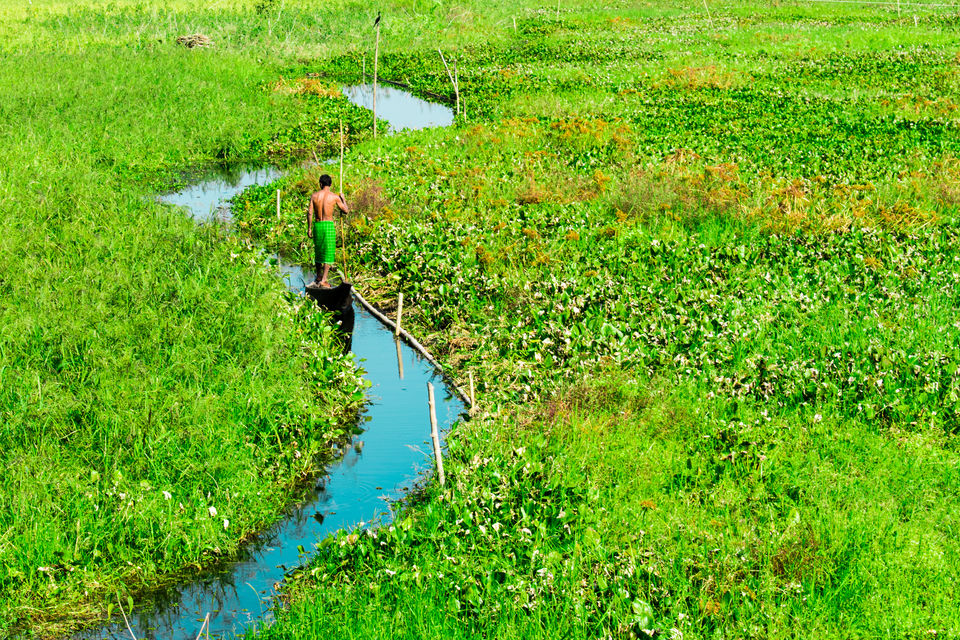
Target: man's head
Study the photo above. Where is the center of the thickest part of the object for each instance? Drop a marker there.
(325, 181)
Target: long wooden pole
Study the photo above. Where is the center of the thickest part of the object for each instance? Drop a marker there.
(456, 89)
(473, 401)
(343, 236)
(376, 61)
(435, 434)
(399, 357)
(399, 314)
(456, 82)
(278, 204)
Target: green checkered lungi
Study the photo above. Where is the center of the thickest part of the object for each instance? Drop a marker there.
(324, 242)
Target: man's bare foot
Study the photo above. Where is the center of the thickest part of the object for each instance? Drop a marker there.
(324, 284)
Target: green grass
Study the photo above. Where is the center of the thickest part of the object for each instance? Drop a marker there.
(704, 273)
(702, 270)
(621, 506)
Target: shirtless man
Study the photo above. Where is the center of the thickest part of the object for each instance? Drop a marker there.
(320, 227)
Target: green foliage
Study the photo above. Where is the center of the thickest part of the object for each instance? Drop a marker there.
(756, 212)
(624, 510)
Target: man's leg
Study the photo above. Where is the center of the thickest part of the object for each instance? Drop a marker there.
(326, 272)
(317, 268)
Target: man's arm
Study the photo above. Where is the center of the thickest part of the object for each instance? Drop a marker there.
(310, 218)
(342, 204)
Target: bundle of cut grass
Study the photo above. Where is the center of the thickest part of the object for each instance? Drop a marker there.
(194, 40)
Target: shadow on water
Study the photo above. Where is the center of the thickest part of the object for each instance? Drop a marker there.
(390, 453)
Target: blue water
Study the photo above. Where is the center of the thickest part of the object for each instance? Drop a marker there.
(386, 459)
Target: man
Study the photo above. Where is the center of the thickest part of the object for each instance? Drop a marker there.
(320, 227)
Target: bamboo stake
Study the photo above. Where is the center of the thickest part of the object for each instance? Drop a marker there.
(473, 401)
(456, 81)
(453, 82)
(514, 24)
(435, 434)
(558, 9)
(399, 314)
(343, 236)
(399, 357)
(376, 60)
(709, 17)
(124, 613)
(364, 68)
(278, 204)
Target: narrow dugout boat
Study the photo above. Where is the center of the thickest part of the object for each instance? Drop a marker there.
(338, 300)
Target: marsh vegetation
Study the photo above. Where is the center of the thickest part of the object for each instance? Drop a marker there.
(704, 270)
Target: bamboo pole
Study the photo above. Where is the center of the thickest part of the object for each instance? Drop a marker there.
(376, 61)
(435, 434)
(396, 331)
(514, 24)
(453, 82)
(473, 401)
(278, 204)
(709, 17)
(399, 357)
(343, 236)
(364, 68)
(456, 81)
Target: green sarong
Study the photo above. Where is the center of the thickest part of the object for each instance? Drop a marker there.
(324, 242)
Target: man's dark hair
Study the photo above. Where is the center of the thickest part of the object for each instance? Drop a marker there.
(325, 181)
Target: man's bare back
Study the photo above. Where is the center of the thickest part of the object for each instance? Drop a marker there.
(325, 202)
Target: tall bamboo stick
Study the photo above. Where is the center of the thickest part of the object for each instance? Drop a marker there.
(376, 60)
(435, 434)
(343, 235)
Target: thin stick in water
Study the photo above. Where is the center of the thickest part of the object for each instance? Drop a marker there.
(399, 314)
(399, 357)
(206, 623)
(435, 434)
(124, 614)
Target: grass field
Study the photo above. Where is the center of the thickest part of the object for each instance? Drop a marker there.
(704, 269)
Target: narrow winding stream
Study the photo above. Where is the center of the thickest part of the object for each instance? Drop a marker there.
(386, 459)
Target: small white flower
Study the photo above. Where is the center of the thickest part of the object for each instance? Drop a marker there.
(213, 512)
(226, 524)
(817, 417)
(167, 495)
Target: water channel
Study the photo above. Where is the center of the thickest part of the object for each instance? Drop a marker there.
(382, 462)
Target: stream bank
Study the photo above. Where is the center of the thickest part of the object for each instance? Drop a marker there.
(376, 469)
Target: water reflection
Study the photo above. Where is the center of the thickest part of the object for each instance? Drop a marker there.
(401, 109)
